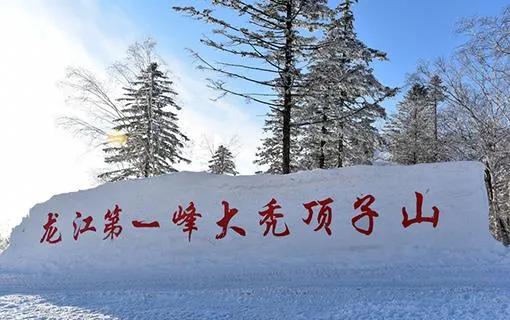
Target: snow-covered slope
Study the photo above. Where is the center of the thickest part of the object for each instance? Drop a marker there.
(456, 189)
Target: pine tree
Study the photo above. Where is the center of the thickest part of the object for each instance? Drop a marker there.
(154, 141)
(342, 99)
(410, 133)
(270, 42)
(222, 162)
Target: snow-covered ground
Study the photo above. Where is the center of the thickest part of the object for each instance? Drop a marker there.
(453, 271)
(337, 299)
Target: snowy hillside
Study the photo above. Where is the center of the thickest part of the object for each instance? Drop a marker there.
(446, 267)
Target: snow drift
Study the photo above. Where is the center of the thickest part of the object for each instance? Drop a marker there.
(456, 189)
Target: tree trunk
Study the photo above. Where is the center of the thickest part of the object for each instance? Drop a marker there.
(324, 131)
(436, 143)
(147, 170)
(286, 138)
(415, 136)
(340, 163)
(287, 91)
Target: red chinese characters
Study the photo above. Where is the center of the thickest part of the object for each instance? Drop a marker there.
(50, 230)
(319, 217)
(406, 222)
(112, 229)
(270, 219)
(143, 224)
(82, 225)
(323, 217)
(224, 222)
(187, 217)
(367, 212)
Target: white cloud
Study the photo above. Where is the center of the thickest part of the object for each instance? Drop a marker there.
(39, 40)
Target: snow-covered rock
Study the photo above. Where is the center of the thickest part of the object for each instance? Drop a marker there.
(456, 189)
(3, 244)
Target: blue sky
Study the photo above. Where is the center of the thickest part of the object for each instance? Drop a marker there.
(408, 30)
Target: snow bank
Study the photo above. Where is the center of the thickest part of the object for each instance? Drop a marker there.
(456, 189)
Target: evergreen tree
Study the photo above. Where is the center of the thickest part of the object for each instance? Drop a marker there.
(222, 162)
(277, 36)
(342, 99)
(154, 141)
(270, 153)
(410, 133)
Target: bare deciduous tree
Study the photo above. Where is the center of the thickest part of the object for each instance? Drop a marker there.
(476, 121)
(95, 101)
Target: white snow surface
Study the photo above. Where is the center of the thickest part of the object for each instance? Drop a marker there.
(454, 271)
